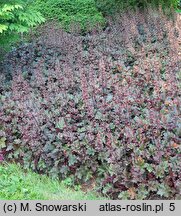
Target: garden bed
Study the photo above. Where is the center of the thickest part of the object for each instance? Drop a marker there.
(101, 108)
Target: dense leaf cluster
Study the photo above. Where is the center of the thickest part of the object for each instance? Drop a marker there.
(108, 113)
(68, 12)
(18, 16)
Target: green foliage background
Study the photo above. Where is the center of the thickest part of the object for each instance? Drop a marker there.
(16, 17)
(83, 12)
(108, 7)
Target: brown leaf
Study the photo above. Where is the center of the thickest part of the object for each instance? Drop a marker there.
(131, 192)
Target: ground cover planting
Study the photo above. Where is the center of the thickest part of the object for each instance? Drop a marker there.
(102, 109)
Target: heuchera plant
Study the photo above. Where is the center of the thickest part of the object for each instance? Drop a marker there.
(112, 121)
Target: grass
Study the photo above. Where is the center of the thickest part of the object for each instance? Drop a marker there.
(15, 184)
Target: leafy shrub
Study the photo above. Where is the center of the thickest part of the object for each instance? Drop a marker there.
(18, 16)
(109, 113)
(81, 12)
